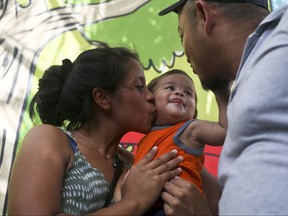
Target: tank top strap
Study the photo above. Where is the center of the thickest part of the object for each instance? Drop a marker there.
(179, 143)
(72, 140)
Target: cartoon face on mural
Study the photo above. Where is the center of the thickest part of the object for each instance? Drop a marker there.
(37, 34)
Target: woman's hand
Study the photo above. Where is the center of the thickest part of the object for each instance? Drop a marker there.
(146, 179)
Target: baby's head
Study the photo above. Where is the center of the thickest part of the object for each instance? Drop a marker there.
(175, 97)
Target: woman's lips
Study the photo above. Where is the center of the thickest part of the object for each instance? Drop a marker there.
(154, 113)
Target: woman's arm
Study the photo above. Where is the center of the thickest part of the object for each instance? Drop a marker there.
(35, 186)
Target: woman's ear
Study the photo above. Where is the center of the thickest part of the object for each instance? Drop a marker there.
(101, 98)
(206, 15)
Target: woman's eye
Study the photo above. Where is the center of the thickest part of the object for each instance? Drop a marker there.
(140, 88)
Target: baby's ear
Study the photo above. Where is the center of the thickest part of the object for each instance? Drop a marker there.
(101, 98)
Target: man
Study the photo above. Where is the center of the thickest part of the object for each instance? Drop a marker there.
(232, 40)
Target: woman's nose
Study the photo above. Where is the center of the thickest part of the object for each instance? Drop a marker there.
(149, 96)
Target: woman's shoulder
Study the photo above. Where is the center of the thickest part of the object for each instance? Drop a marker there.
(45, 133)
(44, 127)
(47, 139)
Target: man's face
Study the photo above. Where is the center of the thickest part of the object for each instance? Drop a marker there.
(200, 47)
(189, 38)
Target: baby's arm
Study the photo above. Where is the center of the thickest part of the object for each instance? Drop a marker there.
(201, 132)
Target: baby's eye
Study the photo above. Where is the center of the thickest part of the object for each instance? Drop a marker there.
(169, 87)
(188, 94)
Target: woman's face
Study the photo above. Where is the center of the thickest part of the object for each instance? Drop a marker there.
(132, 102)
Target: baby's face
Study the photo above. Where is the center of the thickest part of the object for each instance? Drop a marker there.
(174, 99)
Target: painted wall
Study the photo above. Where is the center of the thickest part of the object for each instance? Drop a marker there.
(36, 34)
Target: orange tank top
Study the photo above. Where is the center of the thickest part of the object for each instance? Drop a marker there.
(167, 138)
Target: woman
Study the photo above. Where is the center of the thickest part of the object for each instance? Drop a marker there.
(71, 163)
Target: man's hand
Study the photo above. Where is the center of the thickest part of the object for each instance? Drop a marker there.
(183, 198)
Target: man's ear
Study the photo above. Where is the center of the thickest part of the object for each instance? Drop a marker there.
(206, 15)
(101, 98)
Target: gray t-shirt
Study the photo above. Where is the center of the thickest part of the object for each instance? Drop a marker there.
(253, 167)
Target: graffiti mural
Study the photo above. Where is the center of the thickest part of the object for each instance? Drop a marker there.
(36, 34)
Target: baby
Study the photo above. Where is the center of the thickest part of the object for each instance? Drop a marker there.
(176, 127)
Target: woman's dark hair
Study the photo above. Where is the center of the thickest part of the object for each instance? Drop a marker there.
(153, 83)
(64, 96)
